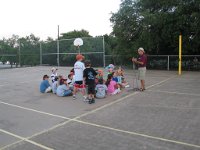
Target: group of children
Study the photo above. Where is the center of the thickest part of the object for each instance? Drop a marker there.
(83, 77)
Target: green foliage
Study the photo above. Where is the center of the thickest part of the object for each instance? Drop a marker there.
(75, 34)
(156, 25)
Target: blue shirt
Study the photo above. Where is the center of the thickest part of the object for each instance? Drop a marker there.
(44, 85)
(115, 79)
(61, 90)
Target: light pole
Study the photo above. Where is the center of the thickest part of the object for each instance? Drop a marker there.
(58, 48)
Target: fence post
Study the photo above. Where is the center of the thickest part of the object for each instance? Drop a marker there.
(58, 49)
(19, 51)
(180, 55)
(168, 62)
(104, 61)
(40, 54)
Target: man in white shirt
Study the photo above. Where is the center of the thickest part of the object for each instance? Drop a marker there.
(79, 67)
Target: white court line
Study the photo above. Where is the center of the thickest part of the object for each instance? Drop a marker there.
(34, 110)
(93, 111)
(25, 139)
(178, 93)
(121, 99)
(104, 106)
(139, 134)
(11, 84)
(9, 145)
(167, 107)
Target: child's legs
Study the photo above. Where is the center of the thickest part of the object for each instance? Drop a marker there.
(91, 90)
(67, 93)
(75, 90)
(83, 91)
(77, 86)
(48, 90)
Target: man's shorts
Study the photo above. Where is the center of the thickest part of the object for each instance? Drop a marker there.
(79, 84)
(141, 73)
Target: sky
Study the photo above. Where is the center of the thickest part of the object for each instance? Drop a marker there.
(42, 17)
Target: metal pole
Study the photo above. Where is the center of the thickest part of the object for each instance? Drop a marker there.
(58, 59)
(180, 53)
(168, 62)
(104, 61)
(40, 53)
(19, 54)
(58, 48)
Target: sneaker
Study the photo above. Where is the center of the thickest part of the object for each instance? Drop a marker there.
(85, 99)
(93, 100)
(127, 86)
(74, 97)
(90, 101)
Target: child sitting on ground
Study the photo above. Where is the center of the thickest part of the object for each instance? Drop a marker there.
(70, 81)
(101, 89)
(56, 83)
(63, 89)
(113, 87)
(45, 86)
(99, 76)
(54, 74)
(110, 68)
(121, 80)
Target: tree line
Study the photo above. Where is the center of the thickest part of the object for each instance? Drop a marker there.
(152, 24)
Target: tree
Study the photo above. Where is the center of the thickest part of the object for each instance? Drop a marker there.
(9, 49)
(156, 25)
(29, 50)
(75, 34)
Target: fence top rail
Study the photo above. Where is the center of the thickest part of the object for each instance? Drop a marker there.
(175, 55)
(163, 55)
(8, 54)
(73, 53)
(81, 38)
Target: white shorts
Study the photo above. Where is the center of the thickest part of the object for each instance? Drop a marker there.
(141, 73)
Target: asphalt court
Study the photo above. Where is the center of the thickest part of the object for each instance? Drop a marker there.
(165, 116)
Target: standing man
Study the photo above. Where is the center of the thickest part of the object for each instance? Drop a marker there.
(141, 61)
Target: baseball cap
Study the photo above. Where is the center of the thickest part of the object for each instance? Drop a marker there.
(54, 69)
(141, 49)
(62, 81)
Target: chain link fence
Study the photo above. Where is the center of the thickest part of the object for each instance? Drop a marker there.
(159, 62)
(63, 53)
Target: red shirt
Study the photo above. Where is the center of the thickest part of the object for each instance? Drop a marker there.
(142, 58)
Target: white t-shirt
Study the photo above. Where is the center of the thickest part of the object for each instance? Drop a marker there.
(78, 71)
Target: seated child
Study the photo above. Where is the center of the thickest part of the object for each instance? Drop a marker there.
(55, 84)
(63, 89)
(70, 81)
(101, 89)
(72, 71)
(115, 76)
(110, 68)
(121, 79)
(113, 87)
(45, 86)
(99, 76)
(54, 74)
